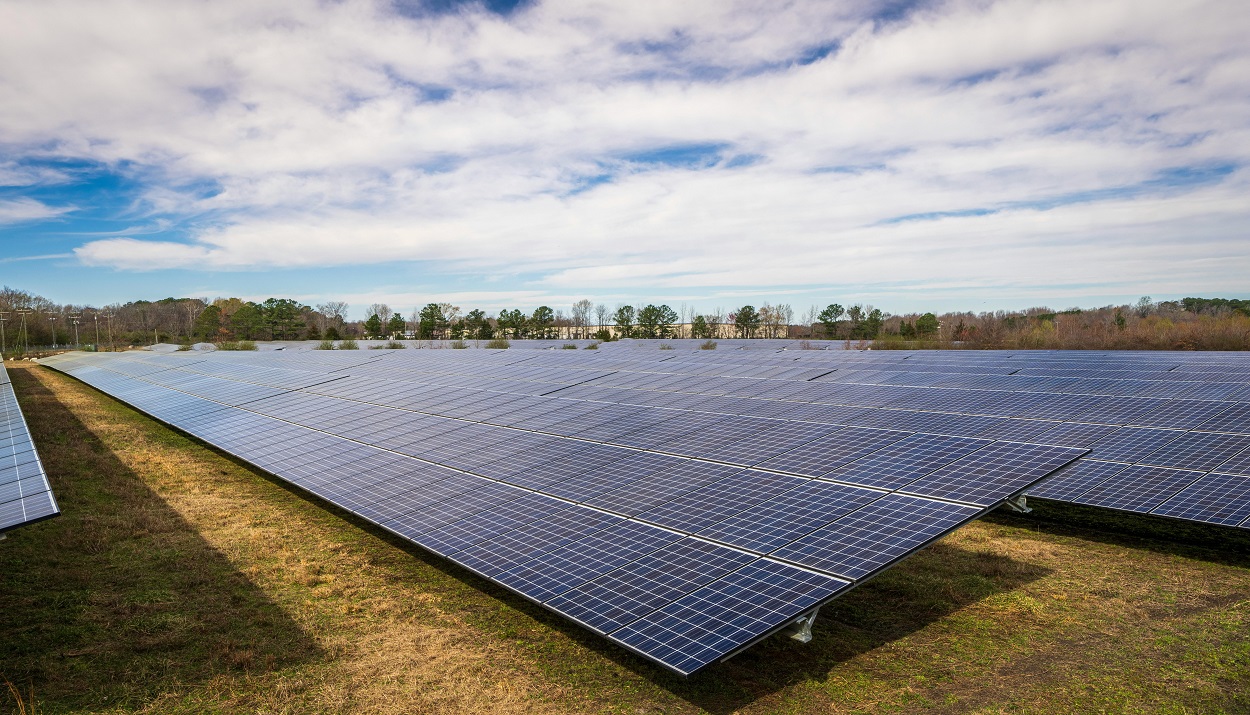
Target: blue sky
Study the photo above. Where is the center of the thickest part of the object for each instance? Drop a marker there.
(913, 155)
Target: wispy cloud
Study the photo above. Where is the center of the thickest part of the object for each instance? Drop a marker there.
(26, 209)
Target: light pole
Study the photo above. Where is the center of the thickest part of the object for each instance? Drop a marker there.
(53, 319)
(75, 318)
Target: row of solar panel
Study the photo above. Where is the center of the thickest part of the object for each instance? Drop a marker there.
(1205, 459)
(665, 554)
(25, 496)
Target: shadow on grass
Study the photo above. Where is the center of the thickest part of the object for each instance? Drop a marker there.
(931, 585)
(119, 599)
(1208, 542)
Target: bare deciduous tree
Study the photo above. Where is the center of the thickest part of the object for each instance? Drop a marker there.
(581, 316)
(382, 310)
(602, 314)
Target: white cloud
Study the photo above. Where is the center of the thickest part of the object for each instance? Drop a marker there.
(320, 124)
(24, 209)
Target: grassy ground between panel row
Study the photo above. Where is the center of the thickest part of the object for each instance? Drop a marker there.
(180, 580)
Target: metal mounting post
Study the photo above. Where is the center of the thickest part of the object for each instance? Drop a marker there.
(801, 629)
(1018, 504)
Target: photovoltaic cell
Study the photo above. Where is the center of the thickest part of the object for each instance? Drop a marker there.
(1075, 479)
(703, 507)
(511, 549)
(1139, 489)
(636, 589)
(711, 622)
(1075, 434)
(554, 572)
(1129, 444)
(985, 477)
(1239, 464)
(1197, 450)
(907, 460)
(1214, 499)
(1183, 414)
(1236, 420)
(868, 539)
(773, 523)
(661, 487)
(827, 453)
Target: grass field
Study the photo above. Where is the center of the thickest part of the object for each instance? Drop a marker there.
(180, 580)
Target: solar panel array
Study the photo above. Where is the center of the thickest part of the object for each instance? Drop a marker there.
(682, 533)
(25, 495)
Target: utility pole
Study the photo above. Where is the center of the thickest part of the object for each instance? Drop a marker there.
(4, 315)
(25, 335)
(75, 318)
(97, 330)
(53, 319)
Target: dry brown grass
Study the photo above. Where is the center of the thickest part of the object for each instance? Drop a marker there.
(352, 626)
(178, 580)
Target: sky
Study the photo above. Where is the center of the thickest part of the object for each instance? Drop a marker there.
(964, 155)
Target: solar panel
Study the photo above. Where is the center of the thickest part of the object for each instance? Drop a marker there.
(823, 455)
(687, 505)
(632, 591)
(1075, 479)
(866, 540)
(1197, 450)
(1001, 468)
(1139, 489)
(25, 495)
(714, 621)
(907, 460)
(1214, 499)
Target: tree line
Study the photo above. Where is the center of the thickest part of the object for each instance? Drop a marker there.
(29, 321)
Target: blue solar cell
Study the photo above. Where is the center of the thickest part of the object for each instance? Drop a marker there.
(1018, 430)
(827, 453)
(776, 439)
(719, 500)
(994, 473)
(1075, 479)
(660, 487)
(487, 524)
(1214, 499)
(876, 535)
(1121, 410)
(389, 499)
(1075, 434)
(1138, 488)
(715, 620)
(907, 460)
(1235, 420)
(511, 549)
(1183, 414)
(478, 497)
(1197, 450)
(587, 485)
(554, 572)
(1129, 444)
(1239, 464)
(634, 590)
(727, 429)
(774, 523)
(587, 457)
